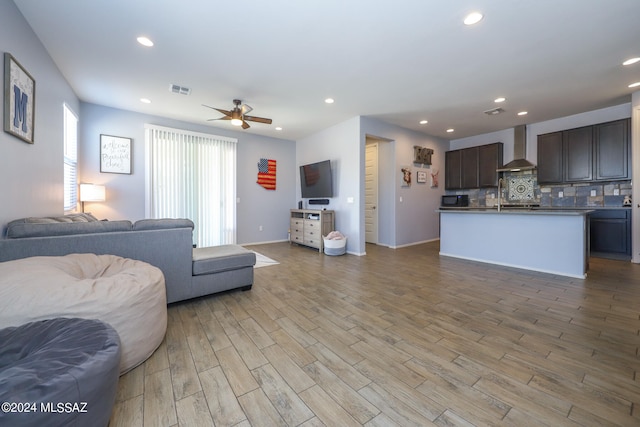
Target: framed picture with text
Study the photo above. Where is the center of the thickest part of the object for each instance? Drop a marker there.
(19, 100)
(115, 154)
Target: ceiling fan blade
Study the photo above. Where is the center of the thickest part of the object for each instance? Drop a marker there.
(245, 125)
(258, 119)
(221, 118)
(245, 109)
(225, 112)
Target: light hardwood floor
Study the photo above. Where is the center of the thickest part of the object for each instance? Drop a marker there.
(397, 337)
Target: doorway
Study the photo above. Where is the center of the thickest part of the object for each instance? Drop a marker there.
(371, 191)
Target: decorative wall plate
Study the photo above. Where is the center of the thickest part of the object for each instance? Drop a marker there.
(520, 188)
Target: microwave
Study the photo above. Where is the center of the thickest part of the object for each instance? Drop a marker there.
(455, 200)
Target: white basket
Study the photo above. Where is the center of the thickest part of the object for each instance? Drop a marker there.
(335, 247)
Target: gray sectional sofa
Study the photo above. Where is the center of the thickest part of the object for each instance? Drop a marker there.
(164, 243)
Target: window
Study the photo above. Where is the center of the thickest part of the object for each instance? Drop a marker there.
(193, 175)
(70, 159)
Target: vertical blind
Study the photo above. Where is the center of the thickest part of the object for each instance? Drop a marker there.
(193, 175)
(70, 129)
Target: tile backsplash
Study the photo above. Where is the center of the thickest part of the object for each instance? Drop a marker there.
(577, 195)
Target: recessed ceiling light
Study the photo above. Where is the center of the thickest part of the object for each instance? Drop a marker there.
(501, 99)
(450, 130)
(278, 128)
(473, 18)
(145, 41)
(423, 122)
(145, 100)
(329, 100)
(636, 84)
(523, 113)
(631, 61)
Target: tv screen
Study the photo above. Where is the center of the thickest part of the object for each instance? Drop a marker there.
(315, 180)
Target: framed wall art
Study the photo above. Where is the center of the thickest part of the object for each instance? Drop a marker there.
(19, 100)
(421, 177)
(115, 154)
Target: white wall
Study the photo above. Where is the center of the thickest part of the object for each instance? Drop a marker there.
(31, 176)
(126, 193)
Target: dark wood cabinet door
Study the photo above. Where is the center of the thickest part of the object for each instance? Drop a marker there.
(453, 169)
(610, 232)
(612, 150)
(578, 154)
(550, 164)
(470, 167)
(489, 160)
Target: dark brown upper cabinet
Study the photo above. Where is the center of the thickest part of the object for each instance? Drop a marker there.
(473, 167)
(470, 167)
(611, 143)
(453, 170)
(489, 160)
(550, 168)
(578, 154)
(591, 153)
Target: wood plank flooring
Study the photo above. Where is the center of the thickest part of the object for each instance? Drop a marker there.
(397, 338)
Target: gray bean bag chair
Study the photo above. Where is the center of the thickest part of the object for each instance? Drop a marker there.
(58, 372)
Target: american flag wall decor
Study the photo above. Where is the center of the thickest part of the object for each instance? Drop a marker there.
(267, 174)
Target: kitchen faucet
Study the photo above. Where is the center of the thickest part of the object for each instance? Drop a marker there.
(500, 183)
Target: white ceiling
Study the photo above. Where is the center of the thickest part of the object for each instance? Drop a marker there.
(399, 61)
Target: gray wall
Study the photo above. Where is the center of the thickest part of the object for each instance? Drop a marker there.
(126, 193)
(31, 176)
(411, 221)
(414, 219)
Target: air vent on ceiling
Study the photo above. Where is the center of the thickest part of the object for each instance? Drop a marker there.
(494, 111)
(179, 89)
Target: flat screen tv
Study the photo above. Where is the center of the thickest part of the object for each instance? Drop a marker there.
(315, 180)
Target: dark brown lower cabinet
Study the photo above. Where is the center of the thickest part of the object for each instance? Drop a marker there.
(610, 233)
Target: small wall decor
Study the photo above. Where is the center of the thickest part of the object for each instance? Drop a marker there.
(19, 100)
(406, 176)
(422, 155)
(115, 154)
(421, 177)
(267, 174)
(434, 178)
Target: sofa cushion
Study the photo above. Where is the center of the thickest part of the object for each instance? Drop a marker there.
(17, 229)
(77, 217)
(215, 259)
(162, 223)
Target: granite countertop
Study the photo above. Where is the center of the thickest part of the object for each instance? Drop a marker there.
(520, 211)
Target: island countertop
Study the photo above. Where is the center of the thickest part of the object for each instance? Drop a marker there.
(519, 211)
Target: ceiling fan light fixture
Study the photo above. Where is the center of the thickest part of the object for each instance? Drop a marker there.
(236, 118)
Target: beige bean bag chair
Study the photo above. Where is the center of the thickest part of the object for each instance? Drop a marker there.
(127, 294)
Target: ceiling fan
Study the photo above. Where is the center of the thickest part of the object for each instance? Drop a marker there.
(238, 115)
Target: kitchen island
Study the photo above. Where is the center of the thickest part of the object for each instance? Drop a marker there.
(549, 241)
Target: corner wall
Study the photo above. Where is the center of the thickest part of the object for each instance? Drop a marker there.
(635, 156)
(31, 175)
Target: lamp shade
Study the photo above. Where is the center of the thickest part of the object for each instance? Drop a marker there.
(92, 193)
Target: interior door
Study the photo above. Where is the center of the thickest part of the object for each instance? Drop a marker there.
(371, 193)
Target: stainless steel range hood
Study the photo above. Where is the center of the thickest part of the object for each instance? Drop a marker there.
(520, 163)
